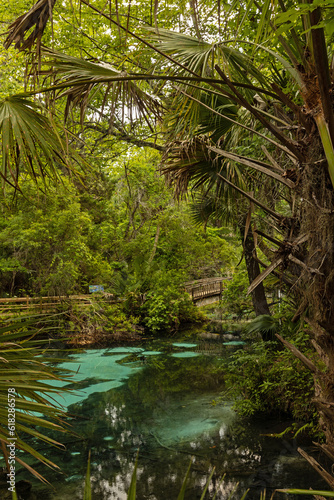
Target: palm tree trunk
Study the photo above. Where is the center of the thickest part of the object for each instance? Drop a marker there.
(259, 299)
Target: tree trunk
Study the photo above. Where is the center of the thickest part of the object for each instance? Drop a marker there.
(259, 299)
(310, 261)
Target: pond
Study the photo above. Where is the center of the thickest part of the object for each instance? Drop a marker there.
(162, 398)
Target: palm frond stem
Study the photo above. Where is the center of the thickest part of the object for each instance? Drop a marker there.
(241, 125)
(272, 160)
(302, 117)
(122, 78)
(277, 119)
(327, 143)
(262, 276)
(256, 89)
(249, 163)
(306, 362)
(251, 198)
(287, 48)
(295, 38)
(268, 237)
(289, 144)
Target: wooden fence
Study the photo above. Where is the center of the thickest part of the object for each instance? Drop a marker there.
(199, 289)
(19, 306)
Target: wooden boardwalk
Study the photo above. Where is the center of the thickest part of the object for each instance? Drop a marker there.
(199, 290)
(20, 306)
(207, 287)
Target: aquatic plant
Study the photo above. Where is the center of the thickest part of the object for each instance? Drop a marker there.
(262, 496)
(88, 488)
(132, 489)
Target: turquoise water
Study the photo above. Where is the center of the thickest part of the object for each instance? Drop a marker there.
(160, 398)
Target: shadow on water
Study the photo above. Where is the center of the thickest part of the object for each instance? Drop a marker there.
(161, 399)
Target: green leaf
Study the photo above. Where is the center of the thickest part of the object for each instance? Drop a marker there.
(132, 489)
(88, 488)
(28, 141)
(308, 492)
(207, 484)
(184, 484)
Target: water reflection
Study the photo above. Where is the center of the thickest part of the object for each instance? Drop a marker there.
(162, 404)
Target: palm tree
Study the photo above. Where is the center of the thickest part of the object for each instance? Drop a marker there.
(28, 384)
(278, 75)
(190, 166)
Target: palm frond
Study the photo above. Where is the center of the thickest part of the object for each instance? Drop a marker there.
(28, 141)
(34, 22)
(211, 123)
(191, 164)
(27, 384)
(207, 206)
(85, 79)
(195, 54)
(187, 117)
(263, 324)
(203, 209)
(200, 57)
(188, 162)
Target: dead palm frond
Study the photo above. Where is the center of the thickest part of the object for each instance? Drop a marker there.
(29, 28)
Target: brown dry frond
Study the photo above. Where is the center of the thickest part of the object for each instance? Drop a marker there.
(185, 161)
(34, 22)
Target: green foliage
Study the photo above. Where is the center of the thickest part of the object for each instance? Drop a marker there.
(80, 245)
(27, 387)
(235, 300)
(100, 323)
(168, 305)
(46, 246)
(266, 325)
(267, 379)
(122, 230)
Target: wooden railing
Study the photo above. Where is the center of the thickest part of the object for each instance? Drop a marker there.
(29, 305)
(206, 287)
(199, 289)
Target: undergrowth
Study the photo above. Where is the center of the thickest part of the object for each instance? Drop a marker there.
(266, 378)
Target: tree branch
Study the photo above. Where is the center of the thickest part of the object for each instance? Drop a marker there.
(122, 136)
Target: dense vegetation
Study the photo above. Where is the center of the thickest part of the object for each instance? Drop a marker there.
(233, 103)
(121, 229)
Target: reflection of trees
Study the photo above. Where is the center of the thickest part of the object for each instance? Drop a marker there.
(129, 414)
(164, 394)
(165, 376)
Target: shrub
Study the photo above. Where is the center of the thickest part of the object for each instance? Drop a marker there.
(267, 378)
(165, 309)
